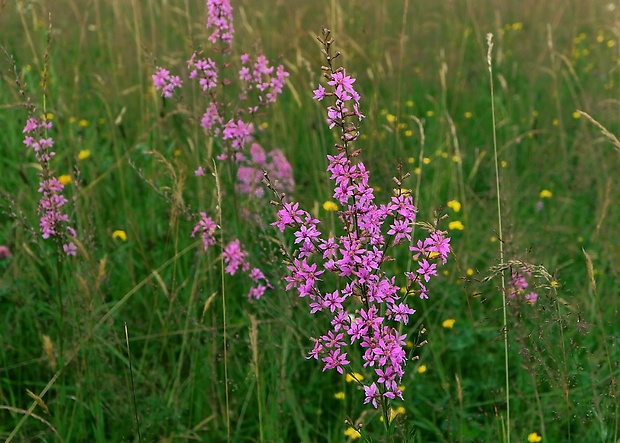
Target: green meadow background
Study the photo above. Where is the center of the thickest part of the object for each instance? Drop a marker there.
(207, 365)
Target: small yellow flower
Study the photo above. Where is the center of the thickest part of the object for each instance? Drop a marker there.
(401, 125)
(534, 438)
(352, 433)
(339, 395)
(555, 284)
(611, 43)
(417, 171)
(177, 152)
(49, 116)
(83, 154)
(390, 118)
(445, 272)
(408, 133)
(576, 115)
(330, 206)
(449, 323)
(394, 412)
(264, 125)
(493, 239)
(409, 103)
(430, 113)
(517, 26)
(456, 159)
(469, 272)
(600, 38)
(468, 115)
(410, 160)
(402, 389)
(454, 205)
(555, 122)
(83, 123)
(504, 163)
(121, 235)
(402, 191)
(545, 193)
(456, 225)
(65, 179)
(409, 344)
(426, 160)
(421, 369)
(352, 377)
(72, 119)
(444, 155)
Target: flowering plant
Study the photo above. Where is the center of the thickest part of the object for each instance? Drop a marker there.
(371, 307)
(260, 84)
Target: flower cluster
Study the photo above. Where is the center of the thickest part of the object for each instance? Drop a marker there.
(52, 200)
(165, 82)
(265, 82)
(220, 20)
(206, 227)
(368, 309)
(250, 173)
(237, 260)
(518, 286)
(260, 77)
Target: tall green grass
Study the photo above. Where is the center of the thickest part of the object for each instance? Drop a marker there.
(198, 378)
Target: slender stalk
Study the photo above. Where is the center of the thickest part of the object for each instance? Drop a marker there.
(500, 233)
(224, 321)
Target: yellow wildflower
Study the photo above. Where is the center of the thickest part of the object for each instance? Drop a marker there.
(456, 225)
(468, 115)
(408, 133)
(409, 344)
(410, 160)
(417, 171)
(504, 163)
(264, 125)
(409, 103)
(454, 205)
(469, 272)
(390, 118)
(83, 154)
(426, 160)
(83, 123)
(352, 377)
(534, 438)
(330, 206)
(545, 193)
(421, 369)
(121, 235)
(611, 43)
(430, 113)
(555, 122)
(339, 395)
(449, 323)
(352, 433)
(576, 115)
(65, 179)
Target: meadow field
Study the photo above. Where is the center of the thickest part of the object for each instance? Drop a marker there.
(158, 282)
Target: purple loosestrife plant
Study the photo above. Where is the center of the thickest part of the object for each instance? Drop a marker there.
(54, 223)
(233, 127)
(369, 310)
(518, 286)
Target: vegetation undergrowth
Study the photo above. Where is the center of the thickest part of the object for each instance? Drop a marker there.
(145, 285)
